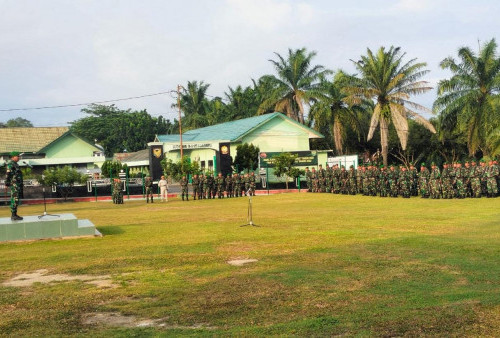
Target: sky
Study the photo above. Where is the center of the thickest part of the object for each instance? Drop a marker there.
(68, 52)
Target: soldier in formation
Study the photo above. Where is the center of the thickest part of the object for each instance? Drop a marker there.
(455, 180)
(184, 188)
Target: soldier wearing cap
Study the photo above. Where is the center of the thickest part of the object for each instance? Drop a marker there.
(14, 180)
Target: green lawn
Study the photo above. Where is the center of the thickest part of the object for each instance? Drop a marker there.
(327, 265)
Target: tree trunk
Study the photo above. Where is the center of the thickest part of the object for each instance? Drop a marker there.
(384, 131)
(301, 108)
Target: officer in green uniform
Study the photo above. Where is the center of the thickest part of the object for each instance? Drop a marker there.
(149, 189)
(184, 188)
(195, 185)
(14, 180)
(423, 181)
(219, 183)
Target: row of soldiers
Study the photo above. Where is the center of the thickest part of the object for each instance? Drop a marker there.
(207, 186)
(455, 180)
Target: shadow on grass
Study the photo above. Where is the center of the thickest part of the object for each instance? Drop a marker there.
(111, 230)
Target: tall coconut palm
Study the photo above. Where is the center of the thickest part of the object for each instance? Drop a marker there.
(194, 105)
(470, 100)
(332, 111)
(294, 85)
(390, 82)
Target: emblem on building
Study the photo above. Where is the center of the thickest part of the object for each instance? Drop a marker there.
(224, 150)
(157, 152)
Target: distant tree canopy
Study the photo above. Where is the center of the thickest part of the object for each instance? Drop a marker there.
(119, 130)
(247, 157)
(178, 169)
(17, 122)
(64, 178)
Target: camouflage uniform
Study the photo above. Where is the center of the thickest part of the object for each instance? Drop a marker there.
(435, 183)
(201, 185)
(393, 181)
(447, 182)
(460, 176)
(352, 181)
(384, 186)
(404, 182)
(492, 173)
(321, 179)
(252, 181)
(219, 183)
(337, 179)
(423, 181)
(184, 188)
(229, 186)
(195, 186)
(475, 180)
(148, 184)
(14, 180)
(117, 192)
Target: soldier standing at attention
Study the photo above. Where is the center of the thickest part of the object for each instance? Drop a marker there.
(149, 189)
(252, 180)
(184, 188)
(229, 186)
(475, 179)
(435, 182)
(201, 180)
(117, 191)
(14, 180)
(423, 181)
(219, 182)
(492, 173)
(195, 185)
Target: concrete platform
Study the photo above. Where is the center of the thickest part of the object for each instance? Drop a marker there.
(33, 227)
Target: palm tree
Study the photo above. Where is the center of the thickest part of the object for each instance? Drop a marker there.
(194, 105)
(295, 84)
(332, 111)
(390, 82)
(469, 100)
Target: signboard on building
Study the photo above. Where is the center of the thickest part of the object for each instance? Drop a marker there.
(345, 161)
(155, 157)
(303, 158)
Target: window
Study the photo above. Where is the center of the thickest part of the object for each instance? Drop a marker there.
(202, 164)
(210, 164)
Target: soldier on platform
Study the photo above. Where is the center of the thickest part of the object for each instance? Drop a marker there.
(14, 180)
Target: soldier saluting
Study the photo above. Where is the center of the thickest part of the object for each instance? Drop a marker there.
(14, 180)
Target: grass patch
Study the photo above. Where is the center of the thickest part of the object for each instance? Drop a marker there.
(327, 265)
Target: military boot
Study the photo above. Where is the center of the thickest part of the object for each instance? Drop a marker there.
(15, 217)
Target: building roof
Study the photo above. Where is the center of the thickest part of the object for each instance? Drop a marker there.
(29, 140)
(140, 155)
(231, 131)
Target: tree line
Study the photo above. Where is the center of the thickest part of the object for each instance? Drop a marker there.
(372, 111)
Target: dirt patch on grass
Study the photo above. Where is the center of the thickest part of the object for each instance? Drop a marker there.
(241, 262)
(43, 276)
(116, 319)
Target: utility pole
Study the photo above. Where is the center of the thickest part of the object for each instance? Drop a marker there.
(180, 123)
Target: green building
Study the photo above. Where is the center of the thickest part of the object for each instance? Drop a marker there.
(44, 147)
(212, 146)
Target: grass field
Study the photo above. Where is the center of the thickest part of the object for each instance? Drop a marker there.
(327, 265)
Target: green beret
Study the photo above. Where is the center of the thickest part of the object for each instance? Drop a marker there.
(14, 153)
(381, 166)
(423, 164)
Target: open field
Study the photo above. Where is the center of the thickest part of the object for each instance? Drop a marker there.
(326, 265)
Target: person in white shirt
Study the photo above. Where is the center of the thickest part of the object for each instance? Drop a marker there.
(163, 184)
